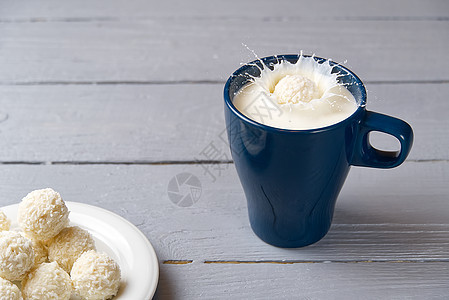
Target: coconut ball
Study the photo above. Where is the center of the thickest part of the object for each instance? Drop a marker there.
(294, 89)
(5, 223)
(42, 214)
(39, 249)
(40, 252)
(95, 276)
(16, 255)
(47, 281)
(9, 291)
(68, 245)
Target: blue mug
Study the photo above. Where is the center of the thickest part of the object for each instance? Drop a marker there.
(292, 178)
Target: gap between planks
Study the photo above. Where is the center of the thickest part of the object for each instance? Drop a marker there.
(291, 262)
(150, 163)
(174, 82)
(263, 18)
(157, 163)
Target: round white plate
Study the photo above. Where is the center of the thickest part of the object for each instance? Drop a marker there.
(118, 238)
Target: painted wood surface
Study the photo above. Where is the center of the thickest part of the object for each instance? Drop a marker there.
(390, 235)
(48, 10)
(107, 101)
(198, 50)
(381, 215)
(305, 281)
(160, 123)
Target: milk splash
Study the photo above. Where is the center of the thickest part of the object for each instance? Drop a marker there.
(306, 66)
(329, 103)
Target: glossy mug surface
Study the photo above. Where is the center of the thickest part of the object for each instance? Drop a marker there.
(292, 178)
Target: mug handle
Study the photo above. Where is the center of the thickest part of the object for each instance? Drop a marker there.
(366, 155)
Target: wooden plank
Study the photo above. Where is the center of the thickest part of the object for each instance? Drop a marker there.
(80, 10)
(381, 215)
(153, 123)
(170, 50)
(305, 281)
(109, 123)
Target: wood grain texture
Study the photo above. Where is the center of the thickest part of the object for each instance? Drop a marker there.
(381, 215)
(48, 10)
(172, 50)
(305, 281)
(154, 123)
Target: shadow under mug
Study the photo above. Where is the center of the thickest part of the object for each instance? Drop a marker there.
(292, 178)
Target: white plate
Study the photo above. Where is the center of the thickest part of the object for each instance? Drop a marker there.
(119, 239)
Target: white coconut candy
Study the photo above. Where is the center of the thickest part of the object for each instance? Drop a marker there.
(16, 255)
(9, 291)
(42, 214)
(68, 245)
(5, 223)
(40, 252)
(47, 281)
(294, 89)
(95, 276)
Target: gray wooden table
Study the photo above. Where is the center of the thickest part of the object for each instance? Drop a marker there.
(107, 101)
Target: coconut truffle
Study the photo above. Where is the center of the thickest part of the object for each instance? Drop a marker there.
(95, 276)
(9, 291)
(5, 223)
(68, 245)
(47, 281)
(42, 214)
(39, 249)
(40, 252)
(294, 89)
(16, 255)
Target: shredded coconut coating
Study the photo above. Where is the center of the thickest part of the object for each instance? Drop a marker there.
(5, 223)
(9, 291)
(16, 255)
(68, 245)
(40, 252)
(294, 89)
(95, 276)
(47, 281)
(42, 214)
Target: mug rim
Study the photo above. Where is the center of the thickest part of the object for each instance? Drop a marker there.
(239, 71)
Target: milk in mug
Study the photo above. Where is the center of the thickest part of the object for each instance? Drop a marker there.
(296, 96)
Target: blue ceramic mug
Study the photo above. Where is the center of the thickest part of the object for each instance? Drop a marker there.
(291, 178)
